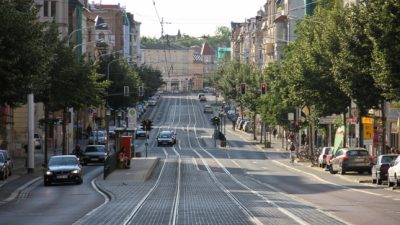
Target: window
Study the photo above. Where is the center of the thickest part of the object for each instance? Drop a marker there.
(53, 8)
(46, 8)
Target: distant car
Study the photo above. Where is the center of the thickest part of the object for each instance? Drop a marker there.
(166, 137)
(37, 140)
(394, 172)
(140, 132)
(322, 162)
(63, 168)
(208, 109)
(9, 161)
(152, 101)
(203, 98)
(98, 137)
(111, 131)
(380, 168)
(200, 95)
(351, 159)
(94, 154)
(3, 168)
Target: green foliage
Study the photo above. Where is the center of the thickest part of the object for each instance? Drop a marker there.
(151, 79)
(382, 27)
(22, 54)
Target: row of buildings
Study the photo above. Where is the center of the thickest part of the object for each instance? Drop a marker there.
(93, 30)
(261, 39)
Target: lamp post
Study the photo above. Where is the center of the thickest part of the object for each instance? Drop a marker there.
(119, 114)
(108, 114)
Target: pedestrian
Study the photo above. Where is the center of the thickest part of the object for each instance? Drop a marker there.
(26, 155)
(303, 138)
(292, 155)
(89, 130)
(274, 132)
(77, 151)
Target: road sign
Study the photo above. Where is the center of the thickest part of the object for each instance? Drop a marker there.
(368, 131)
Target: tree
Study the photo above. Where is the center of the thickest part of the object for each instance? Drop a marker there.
(382, 28)
(151, 79)
(22, 57)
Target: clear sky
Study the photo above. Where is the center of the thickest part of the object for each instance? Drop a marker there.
(192, 17)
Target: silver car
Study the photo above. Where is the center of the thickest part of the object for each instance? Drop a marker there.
(351, 159)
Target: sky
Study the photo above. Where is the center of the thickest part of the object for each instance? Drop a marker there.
(194, 18)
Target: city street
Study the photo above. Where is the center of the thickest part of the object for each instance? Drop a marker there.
(198, 182)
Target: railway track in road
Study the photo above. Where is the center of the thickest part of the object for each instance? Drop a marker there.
(163, 181)
(227, 181)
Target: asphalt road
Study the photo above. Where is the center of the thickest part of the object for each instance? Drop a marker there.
(56, 204)
(198, 182)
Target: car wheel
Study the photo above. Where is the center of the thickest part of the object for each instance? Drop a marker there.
(378, 180)
(360, 172)
(374, 181)
(389, 183)
(342, 170)
(9, 173)
(323, 165)
(79, 181)
(2, 177)
(47, 183)
(331, 170)
(396, 181)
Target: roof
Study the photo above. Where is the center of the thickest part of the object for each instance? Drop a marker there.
(207, 50)
(164, 46)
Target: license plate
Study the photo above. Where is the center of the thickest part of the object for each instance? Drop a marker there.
(62, 177)
(95, 159)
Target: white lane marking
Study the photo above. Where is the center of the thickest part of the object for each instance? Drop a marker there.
(106, 200)
(15, 193)
(325, 181)
(237, 164)
(195, 164)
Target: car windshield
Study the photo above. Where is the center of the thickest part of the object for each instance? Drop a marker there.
(94, 149)
(357, 153)
(62, 161)
(387, 159)
(165, 135)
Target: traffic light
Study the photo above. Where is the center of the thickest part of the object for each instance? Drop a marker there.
(147, 124)
(263, 88)
(243, 88)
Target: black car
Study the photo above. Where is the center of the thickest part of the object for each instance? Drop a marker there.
(94, 154)
(3, 168)
(63, 168)
(9, 161)
(166, 137)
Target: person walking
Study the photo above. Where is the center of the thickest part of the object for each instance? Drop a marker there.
(292, 155)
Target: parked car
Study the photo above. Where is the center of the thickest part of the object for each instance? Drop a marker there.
(351, 159)
(379, 170)
(98, 137)
(63, 168)
(37, 140)
(248, 126)
(94, 154)
(140, 132)
(3, 168)
(208, 109)
(203, 98)
(394, 172)
(200, 95)
(322, 158)
(166, 137)
(152, 102)
(9, 161)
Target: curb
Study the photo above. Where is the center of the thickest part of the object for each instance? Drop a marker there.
(15, 193)
(150, 170)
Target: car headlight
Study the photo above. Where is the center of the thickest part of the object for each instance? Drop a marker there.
(75, 171)
(49, 173)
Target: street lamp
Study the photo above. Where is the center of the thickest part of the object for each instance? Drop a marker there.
(119, 114)
(108, 114)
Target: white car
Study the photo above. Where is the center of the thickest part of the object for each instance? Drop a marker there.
(394, 172)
